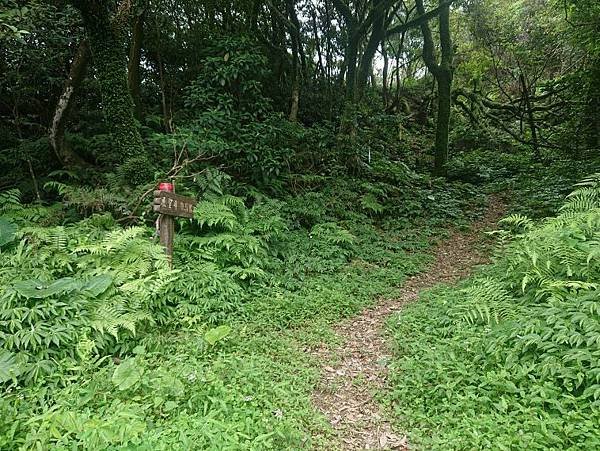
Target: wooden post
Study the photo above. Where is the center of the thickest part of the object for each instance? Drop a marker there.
(170, 205)
(166, 227)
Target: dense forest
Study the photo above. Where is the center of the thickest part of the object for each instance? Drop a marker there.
(393, 232)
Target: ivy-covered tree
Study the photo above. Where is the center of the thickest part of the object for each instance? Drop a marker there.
(106, 25)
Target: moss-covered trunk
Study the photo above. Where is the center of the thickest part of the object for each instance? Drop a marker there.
(105, 30)
(444, 83)
(133, 68)
(443, 73)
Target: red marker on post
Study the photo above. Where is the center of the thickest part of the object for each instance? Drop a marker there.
(165, 186)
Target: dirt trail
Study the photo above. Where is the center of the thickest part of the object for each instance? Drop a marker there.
(344, 393)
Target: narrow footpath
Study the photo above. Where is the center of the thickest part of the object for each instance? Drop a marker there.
(356, 370)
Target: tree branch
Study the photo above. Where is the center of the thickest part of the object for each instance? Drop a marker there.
(424, 17)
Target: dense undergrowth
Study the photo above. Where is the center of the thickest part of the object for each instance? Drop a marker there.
(104, 346)
(312, 167)
(510, 359)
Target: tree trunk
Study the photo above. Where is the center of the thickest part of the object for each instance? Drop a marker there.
(384, 75)
(293, 117)
(64, 105)
(397, 93)
(256, 4)
(166, 106)
(444, 76)
(530, 117)
(442, 73)
(351, 60)
(133, 68)
(105, 35)
(377, 35)
(294, 31)
(320, 67)
(444, 82)
(594, 96)
(328, 59)
(295, 96)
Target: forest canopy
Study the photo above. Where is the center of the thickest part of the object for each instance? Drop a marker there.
(101, 84)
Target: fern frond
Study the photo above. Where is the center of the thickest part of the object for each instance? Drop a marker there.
(332, 234)
(10, 200)
(216, 214)
(487, 302)
(518, 222)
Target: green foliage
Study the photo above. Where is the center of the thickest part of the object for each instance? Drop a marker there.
(369, 202)
(103, 346)
(511, 360)
(217, 214)
(227, 253)
(106, 347)
(536, 189)
(230, 81)
(126, 375)
(7, 231)
(217, 334)
(10, 20)
(87, 200)
(65, 285)
(487, 302)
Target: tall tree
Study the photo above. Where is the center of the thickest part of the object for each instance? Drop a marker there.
(377, 35)
(65, 102)
(294, 30)
(135, 56)
(106, 26)
(443, 72)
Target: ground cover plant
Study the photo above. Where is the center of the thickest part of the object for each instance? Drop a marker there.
(328, 146)
(105, 346)
(509, 360)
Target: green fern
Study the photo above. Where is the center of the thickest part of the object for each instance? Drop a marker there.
(88, 200)
(332, 234)
(486, 302)
(216, 214)
(370, 203)
(517, 223)
(10, 200)
(585, 198)
(62, 284)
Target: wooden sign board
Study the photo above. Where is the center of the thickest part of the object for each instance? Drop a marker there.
(172, 204)
(169, 204)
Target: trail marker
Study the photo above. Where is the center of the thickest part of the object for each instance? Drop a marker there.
(170, 205)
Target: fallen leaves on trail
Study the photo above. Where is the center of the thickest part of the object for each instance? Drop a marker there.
(345, 391)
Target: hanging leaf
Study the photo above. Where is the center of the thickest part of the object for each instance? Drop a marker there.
(7, 231)
(216, 334)
(35, 288)
(126, 375)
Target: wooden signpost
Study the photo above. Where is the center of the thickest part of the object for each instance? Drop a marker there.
(170, 205)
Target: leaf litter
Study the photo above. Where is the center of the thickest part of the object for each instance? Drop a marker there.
(353, 373)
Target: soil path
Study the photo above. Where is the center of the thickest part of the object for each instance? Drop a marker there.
(345, 391)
